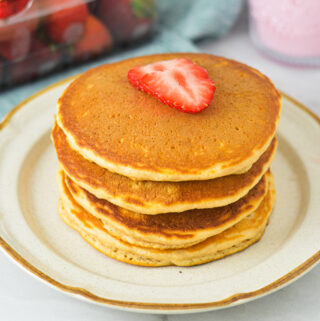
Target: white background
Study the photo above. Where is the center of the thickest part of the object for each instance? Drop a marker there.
(24, 298)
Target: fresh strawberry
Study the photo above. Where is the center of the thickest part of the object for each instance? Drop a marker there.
(178, 83)
(28, 19)
(66, 22)
(6, 9)
(47, 57)
(20, 72)
(18, 47)
(127, 19)
(19, 5)
(10, 7)
(96, 39)
(42, 59)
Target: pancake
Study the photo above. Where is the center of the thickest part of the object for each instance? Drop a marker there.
(232, 240)
(171, 230)
(149, 197)
(129, 132)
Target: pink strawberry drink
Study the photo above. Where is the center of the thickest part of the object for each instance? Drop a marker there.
(290, 27)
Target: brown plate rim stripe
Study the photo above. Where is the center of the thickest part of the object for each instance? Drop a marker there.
(298, 271)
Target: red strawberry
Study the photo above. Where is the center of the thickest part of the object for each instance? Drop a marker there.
(19, 5)
(20, 72)
(178, 83)
(6, 9)
(46, 57)
(66, 22)
(127, 19)
(18, 47)
(96, 39)
(42, 59)
(10, 7)
(26, 19)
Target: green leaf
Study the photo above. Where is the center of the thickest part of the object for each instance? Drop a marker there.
(143, 9)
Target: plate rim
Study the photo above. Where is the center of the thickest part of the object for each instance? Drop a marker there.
(149, 306)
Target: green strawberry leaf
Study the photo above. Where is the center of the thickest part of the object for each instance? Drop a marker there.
(143, 9)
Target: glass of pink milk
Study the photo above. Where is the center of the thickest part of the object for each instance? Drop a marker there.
(287, 30)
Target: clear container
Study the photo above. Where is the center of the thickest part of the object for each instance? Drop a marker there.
(287, 30)
(41, 36)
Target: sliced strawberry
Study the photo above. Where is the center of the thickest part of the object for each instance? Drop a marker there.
(6, 9)
(178, 83)
(96, 39)
(66, 22)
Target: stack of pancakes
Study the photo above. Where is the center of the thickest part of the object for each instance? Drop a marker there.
(150, 185)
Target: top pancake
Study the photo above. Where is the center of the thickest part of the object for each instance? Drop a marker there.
(131, 133)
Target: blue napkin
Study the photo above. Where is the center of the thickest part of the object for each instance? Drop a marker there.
(180, 23)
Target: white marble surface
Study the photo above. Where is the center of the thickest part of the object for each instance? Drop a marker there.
(24, 298)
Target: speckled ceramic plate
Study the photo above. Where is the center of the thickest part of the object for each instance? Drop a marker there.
(34, 236)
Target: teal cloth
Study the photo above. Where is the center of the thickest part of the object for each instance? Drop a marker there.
(180, 24)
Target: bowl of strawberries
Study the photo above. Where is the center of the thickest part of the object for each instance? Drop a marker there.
(42, 36)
